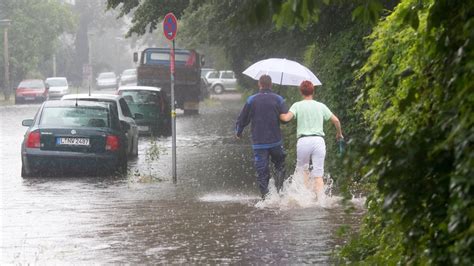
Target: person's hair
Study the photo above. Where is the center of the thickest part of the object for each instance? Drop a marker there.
(265, 81)
(306, 88)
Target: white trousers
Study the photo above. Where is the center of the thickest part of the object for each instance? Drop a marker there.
(313, 148)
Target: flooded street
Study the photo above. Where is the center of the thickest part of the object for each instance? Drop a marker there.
(209, 216)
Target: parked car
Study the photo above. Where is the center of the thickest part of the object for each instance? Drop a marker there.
(70, 136)
(125, 115)
(58, 87)
(31, 90)
(106, 80)
(128, 77)
(220, 81)
(151, 102)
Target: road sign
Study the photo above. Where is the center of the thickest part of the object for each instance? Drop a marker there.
(170, 26)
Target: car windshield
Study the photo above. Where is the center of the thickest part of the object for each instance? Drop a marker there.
(141, 97)
(56, 82)
(71, 116)
(107, 75)
(213, 75)
(129, 72)
(32, 84)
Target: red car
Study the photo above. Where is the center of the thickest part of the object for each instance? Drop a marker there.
(31, 90)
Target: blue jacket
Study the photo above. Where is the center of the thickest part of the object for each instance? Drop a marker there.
(263, 111)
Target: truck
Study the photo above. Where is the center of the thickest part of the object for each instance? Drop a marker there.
(154, 70)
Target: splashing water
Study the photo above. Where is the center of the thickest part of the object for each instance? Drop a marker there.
(221, 197)
(296, 193)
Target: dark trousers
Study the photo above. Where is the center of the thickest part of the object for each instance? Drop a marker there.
(261, 160)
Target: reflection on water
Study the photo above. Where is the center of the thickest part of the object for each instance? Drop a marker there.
(212, 215)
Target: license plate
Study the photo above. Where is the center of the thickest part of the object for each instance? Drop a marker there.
(73, 141)
(143, 128)
(29, 98)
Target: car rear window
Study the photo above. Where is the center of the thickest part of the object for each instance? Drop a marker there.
(182, 58)
(141, 97)
(129, 72)
(33, 84)
(57, 82)
(75, 117)
(107, 76)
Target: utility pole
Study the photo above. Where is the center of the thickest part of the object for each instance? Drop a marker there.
(6, 90)
(170, 28)
(54, 64)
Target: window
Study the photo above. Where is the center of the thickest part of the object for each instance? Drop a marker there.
(107, 75)
(75, 117)
(166, 57)
(125, 110)
(56, 82)
(213, 75)
(142, 97)
(32, 84)
(228, 75)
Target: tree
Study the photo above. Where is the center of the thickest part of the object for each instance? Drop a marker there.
(33, 35)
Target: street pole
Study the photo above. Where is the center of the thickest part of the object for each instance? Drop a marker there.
(173, 117)
(6, 59)
(54, 64)
(170, 28)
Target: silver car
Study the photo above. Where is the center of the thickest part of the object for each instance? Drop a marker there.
(107, 80)
(220, 81)
(128, 77)
(124, 115)
(58, 87)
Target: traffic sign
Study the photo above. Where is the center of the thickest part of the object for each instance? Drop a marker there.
(170, 26)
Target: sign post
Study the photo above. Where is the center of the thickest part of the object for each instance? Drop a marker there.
(170, 27)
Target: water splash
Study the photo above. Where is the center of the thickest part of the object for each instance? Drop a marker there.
(221, 197)
(298, 193)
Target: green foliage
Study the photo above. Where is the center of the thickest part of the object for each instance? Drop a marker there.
(418, 101)
(148, 14)
(34, 32)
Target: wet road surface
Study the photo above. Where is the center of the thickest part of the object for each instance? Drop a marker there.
(209, 216)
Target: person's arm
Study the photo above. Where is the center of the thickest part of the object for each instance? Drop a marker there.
(243, 120)
(337, 124)
(286, 117)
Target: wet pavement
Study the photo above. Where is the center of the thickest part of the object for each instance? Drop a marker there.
(209, 216)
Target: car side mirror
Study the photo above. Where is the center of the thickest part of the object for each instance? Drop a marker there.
(135, 57)
(125, 126)
(138, 116)
(27, 122)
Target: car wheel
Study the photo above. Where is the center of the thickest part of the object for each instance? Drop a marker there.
(24, 173)
(135, 148)
(122, 164)
(218, 89)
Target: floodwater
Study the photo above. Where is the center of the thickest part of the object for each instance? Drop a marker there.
(212, 215)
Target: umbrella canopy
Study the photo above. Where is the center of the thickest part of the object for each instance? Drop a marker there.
(282, 71)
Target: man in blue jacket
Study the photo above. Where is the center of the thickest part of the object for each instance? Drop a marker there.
(262, 110)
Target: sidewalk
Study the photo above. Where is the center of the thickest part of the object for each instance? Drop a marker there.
(5, 102)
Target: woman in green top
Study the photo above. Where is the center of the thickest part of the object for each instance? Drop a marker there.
(310, 115)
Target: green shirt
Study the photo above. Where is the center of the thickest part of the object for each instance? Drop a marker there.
(310, 116)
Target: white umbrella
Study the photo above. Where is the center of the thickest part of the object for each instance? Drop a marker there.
(282, 71)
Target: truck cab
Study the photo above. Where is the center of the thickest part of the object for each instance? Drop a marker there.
(154, 70)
